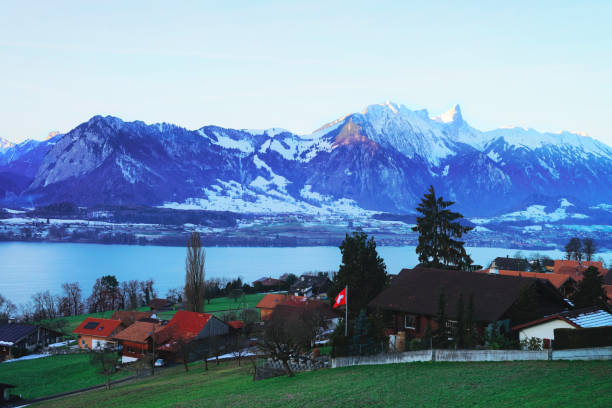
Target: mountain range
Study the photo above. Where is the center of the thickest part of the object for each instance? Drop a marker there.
(379, 160)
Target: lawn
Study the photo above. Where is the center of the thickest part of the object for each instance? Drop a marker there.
(52, 375)
(507, 384)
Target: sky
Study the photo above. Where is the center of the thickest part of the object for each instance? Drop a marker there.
(299, 65)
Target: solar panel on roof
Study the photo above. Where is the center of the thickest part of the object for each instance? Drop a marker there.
(91, 325)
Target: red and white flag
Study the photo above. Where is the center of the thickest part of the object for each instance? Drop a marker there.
(340, 299)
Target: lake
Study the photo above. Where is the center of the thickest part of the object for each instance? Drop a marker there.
(27, 268)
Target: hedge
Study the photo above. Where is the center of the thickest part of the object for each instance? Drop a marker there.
(583, 338)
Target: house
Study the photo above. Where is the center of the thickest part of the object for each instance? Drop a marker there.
(511, 264)
(235, 326)
(137, 340)
(607, 285)
(188, 327)
(311, 286)
(411, 300)
(17, 339)
(565, 284)
(576, 269)
(269, 302)
(94, 333)
(128, 317)
(544, 328)
(161, 305)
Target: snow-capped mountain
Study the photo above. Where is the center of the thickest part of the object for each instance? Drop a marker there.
(381, 159)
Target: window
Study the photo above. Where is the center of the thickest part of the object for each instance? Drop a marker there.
(451, 328)
(410, 321)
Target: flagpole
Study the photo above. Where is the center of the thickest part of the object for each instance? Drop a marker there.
(346, 310)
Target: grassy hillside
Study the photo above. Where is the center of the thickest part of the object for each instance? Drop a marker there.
(52, 375)
(508, 384)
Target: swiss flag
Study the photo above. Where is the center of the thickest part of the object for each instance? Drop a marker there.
(340, 299)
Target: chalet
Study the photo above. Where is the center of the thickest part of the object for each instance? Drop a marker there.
(161, 305)
(137, 340)
(411, 300)
(188, 327)
(128, 317)
(17, 339)
(311, 286)
(565, 284)
(544, 328)
(94, 333)
(270, 301)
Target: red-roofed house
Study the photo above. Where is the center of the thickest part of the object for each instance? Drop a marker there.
(188, 326)
(269, 302)
(564, 283)
(97, 333)
(576, 269)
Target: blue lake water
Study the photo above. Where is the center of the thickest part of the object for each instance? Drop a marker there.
(26, 268)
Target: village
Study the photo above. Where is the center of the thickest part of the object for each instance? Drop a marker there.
(514, 309)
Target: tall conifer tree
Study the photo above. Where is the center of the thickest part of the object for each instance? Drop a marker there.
(438, 228)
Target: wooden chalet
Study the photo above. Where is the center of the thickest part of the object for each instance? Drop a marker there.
(137, 340)
(411, 301)
(17, 339)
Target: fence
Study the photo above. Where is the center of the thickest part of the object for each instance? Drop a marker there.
(599, 353)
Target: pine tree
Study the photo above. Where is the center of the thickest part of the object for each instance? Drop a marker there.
(362, 270)
(469, 323)
(590, 291)
(460, 330)
(441, 333)
(438, 227)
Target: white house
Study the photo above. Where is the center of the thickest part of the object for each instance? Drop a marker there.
(544, 328)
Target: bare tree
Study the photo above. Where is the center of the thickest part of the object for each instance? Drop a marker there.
(130, 290)
(106, 360)
(175, 295)
(194, 274)
(45, 305)
(182, 348)
(72, 301)
(589, 248)
(148, 291)
(290, 332)
(7, 308)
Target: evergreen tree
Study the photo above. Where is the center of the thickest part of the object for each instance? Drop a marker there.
(460, 331)
(469, 323)
(362, 341)
(440, 337)
(362, 270)
(590, 291)
(438, 227)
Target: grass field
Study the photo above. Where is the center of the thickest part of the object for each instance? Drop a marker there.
(217, 307)
(52, 375)
(507, 384)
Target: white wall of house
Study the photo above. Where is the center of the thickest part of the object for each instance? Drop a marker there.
(545, 330)
(98, 344)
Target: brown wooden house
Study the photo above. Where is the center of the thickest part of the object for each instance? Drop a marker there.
(411, 301)
(17, 339)
(136, 340)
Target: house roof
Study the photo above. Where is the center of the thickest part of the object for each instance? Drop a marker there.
(556, 279)
(417, 291)
(160, 303)
(186, 324)
(236, 324)
(94, 326)
(11, 333)
(128, 317)
(512, 264)
(579, 318)
(576, 268)
(271, 300)
(138, 332)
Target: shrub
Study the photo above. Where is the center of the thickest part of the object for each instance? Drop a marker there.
(583, 338)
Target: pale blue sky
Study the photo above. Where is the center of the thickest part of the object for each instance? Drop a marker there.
(297, 65)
